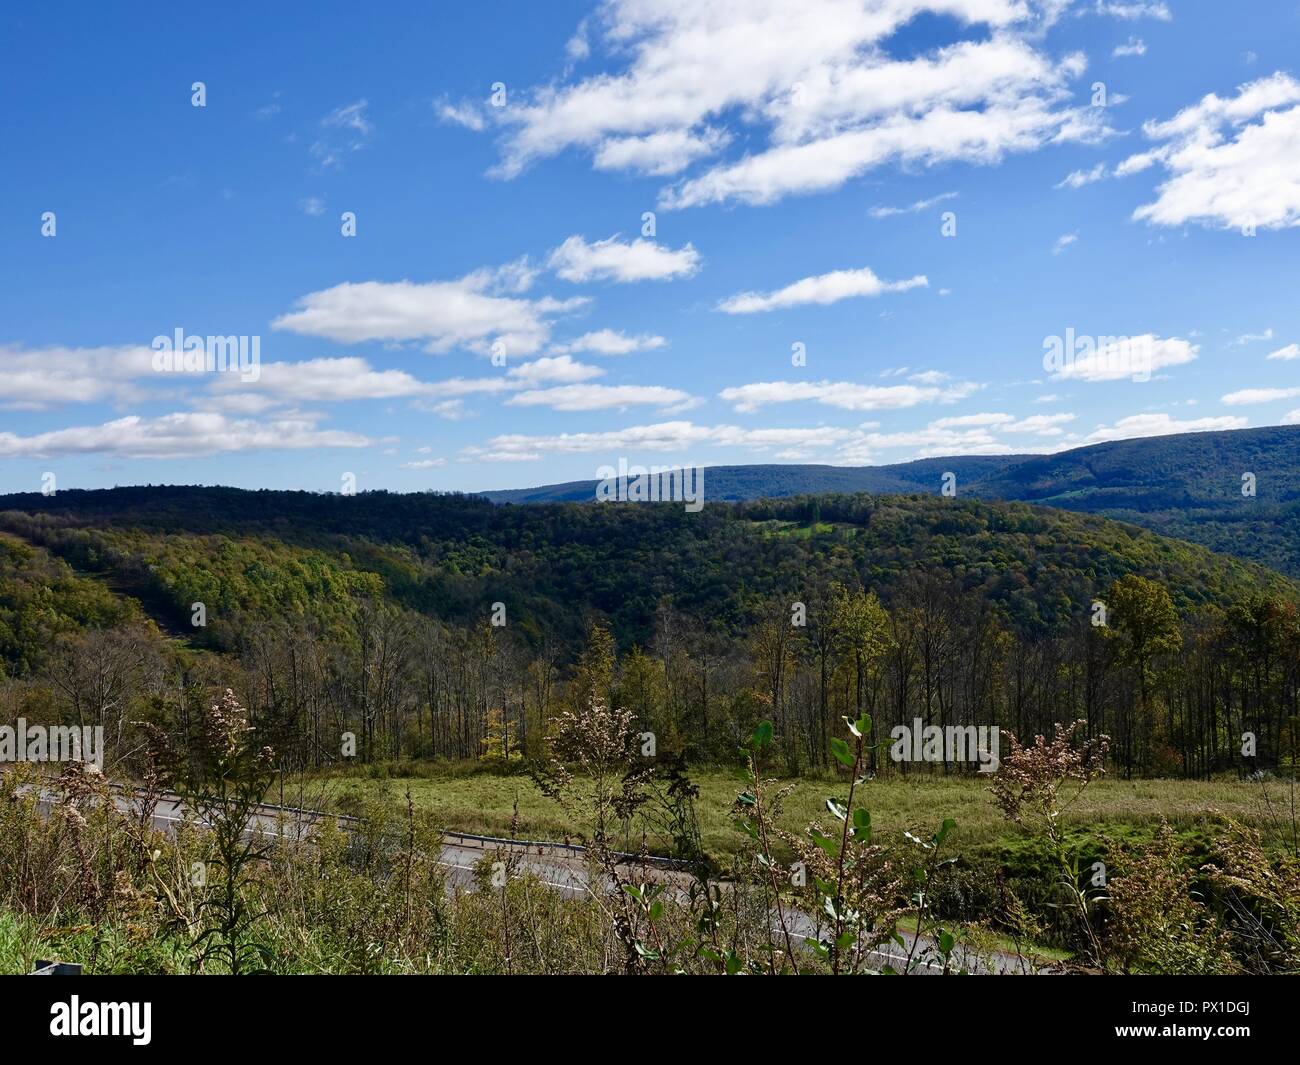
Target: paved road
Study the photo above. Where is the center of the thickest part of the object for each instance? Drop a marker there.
(561, 866)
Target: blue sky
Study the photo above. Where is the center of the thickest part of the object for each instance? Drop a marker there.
(799, 161)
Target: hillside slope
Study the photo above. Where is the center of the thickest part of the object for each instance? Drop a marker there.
(1187, 486)
(274, 554)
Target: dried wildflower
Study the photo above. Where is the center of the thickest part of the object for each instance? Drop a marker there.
(1033, 776)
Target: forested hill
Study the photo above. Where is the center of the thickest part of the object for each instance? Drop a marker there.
(1188, 486)
(251, 556)
(734, 483)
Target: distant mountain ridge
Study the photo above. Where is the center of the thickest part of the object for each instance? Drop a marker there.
(1188, 485)
(774, 481)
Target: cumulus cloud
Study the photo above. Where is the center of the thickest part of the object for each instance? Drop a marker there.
(610, 342)
(582, 397)
(1134, 46)
(821, 289)
(1230, 161)
(845, 395)
(815, 87)
(326, 380)
(1246, 396)
(658, 154)
(675, 436)
(1116, 358)
(614, 260)
(1160, 425)
(561, 369)
(475, 312)
(185, 434)
(35, 378)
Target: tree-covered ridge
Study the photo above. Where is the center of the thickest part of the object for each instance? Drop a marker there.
(428, 625)
(41, 598)
(452, 557)
(1188, 486)
(733, 483)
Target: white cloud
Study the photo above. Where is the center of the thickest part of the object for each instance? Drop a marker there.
(1120, 358)
(349, 129)
(1135, 46)
(181, 435)
(312, 205)
(610, 342)
(461, 114)
(1286, 354)
(677, 436)
(1246, 396)
(1133, 11)
(919, 205)
(352, 117)
(966, 421)
(1231, 162)
(581, 397)
(658, 154)
(424, 464)
(814, 87)
(845, 395)
(35, 378)
(451, 409)
(1160, 425)
(325, 380)
(560, 369)
(1063, 242)
(821, 289)
(615, 260)
(1039, 424)
(473, 312)
(1250, 338)
(1076, 179)
(663, 436)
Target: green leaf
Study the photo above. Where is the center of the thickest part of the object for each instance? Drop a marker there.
(841, 751)
(762, 735)
(862, 825)
(830, 846)
(836, 808)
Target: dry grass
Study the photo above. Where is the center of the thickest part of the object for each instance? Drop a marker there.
(476, 801)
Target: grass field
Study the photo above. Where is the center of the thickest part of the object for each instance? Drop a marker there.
(470, 799)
